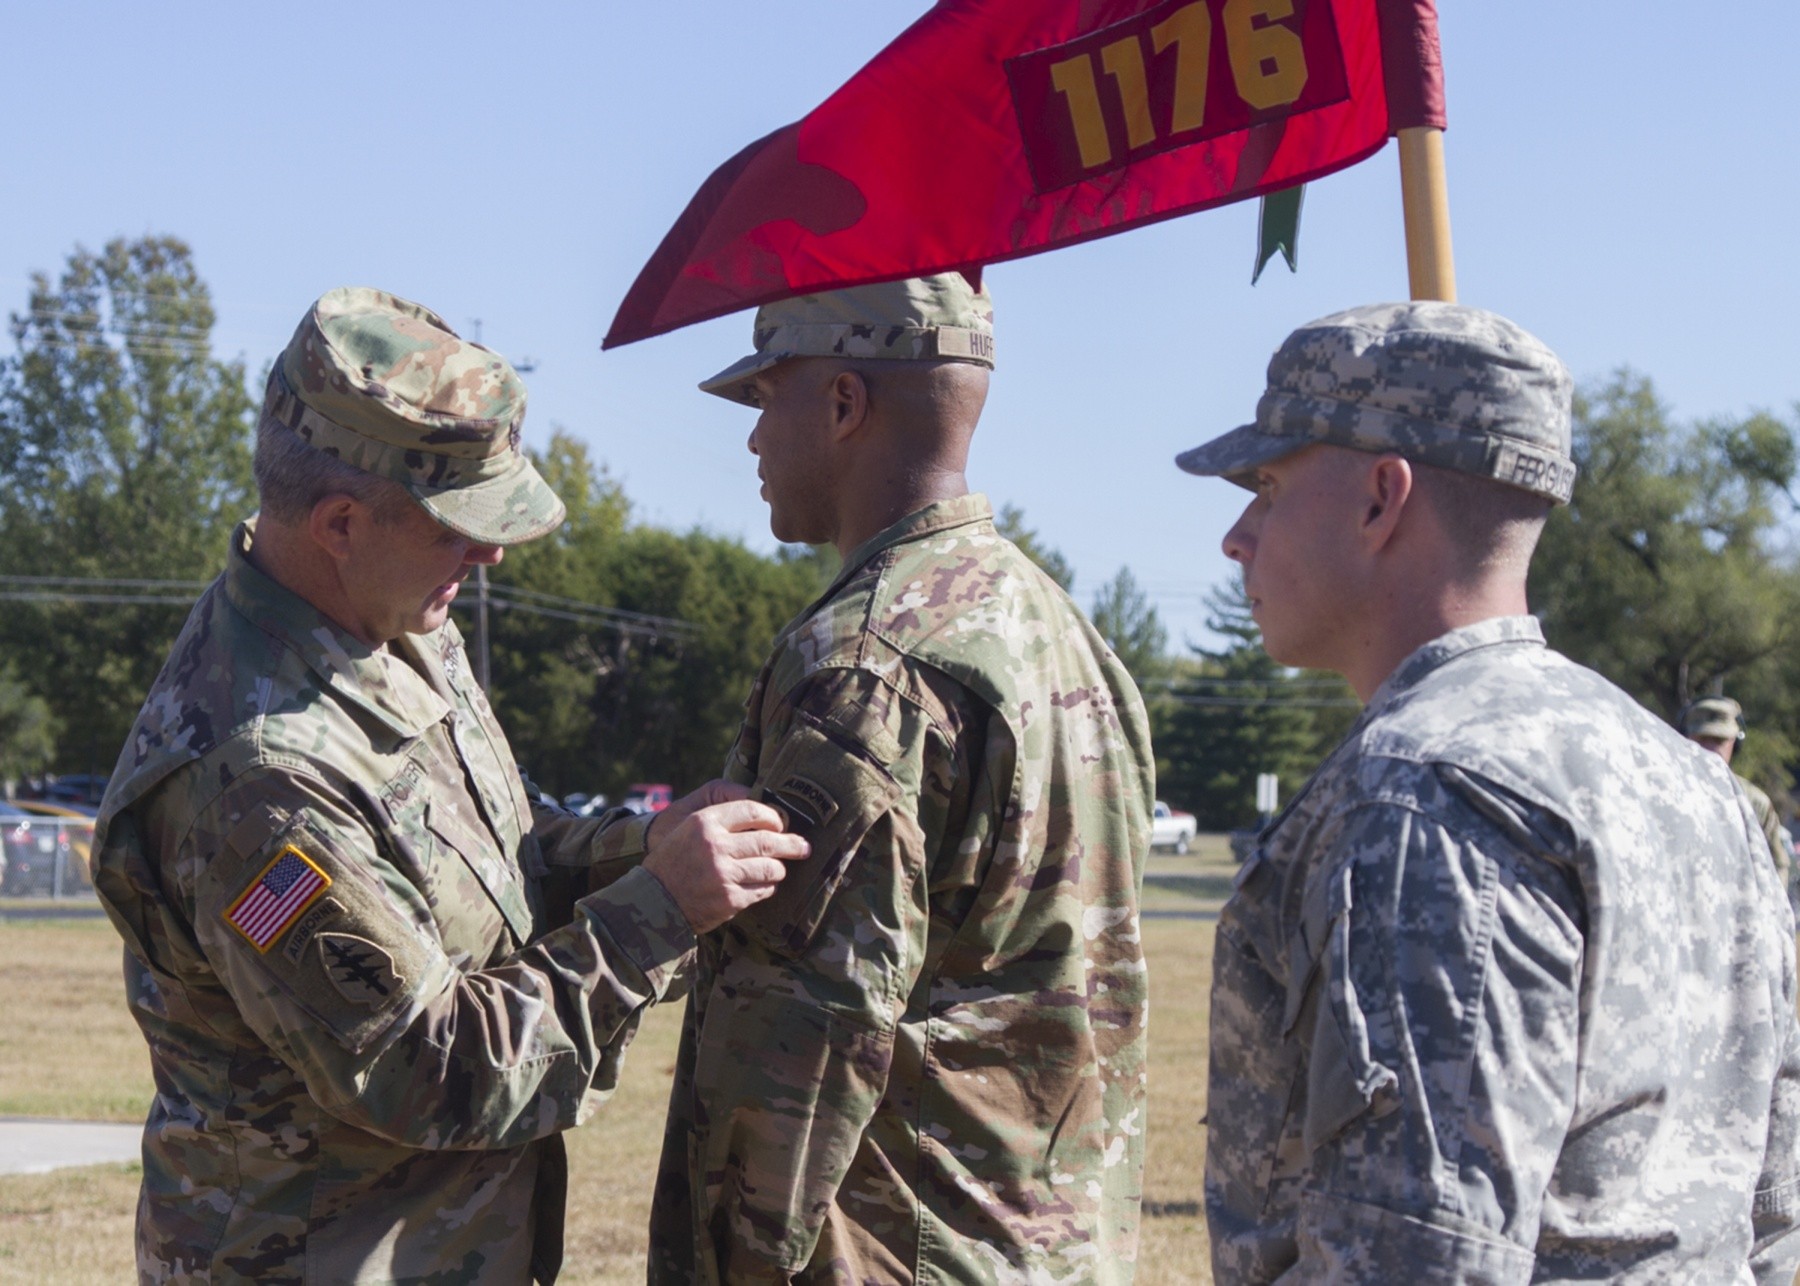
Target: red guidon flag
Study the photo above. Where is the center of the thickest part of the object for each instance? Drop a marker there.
(993, 129)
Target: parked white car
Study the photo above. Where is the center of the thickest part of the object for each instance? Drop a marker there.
(1171, 828)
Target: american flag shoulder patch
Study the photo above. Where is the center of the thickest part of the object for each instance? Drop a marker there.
(286, 887)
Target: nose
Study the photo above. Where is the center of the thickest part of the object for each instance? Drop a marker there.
(1240, 542)
(488, 555)
(751, 440)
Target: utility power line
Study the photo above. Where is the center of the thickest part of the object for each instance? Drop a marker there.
(116, 590)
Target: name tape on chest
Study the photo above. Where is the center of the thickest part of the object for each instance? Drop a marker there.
(278, 897)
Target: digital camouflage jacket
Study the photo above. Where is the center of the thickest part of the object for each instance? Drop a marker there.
(338, 904)
(1506, 995)
(923, 1058)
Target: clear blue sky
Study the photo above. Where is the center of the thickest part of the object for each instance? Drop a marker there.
(1622, 179)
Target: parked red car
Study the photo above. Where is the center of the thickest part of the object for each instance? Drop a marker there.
(649, 797)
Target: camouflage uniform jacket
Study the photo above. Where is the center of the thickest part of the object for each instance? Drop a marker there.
(1506, 994)
(1770, 822)
(331, 885)
(923, 1059)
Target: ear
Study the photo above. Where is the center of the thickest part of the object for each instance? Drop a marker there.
(849, 404)
(1388, 486)
(329, 524)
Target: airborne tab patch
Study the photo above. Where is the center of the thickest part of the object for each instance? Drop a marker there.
(807, 801)
(286, 887)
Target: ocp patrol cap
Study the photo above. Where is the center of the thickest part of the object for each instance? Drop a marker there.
(385, 385)
(1437, 383)
(918, 319)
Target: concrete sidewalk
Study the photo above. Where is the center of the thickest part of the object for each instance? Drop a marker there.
(31, 1146)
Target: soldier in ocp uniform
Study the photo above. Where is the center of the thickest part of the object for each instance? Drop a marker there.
(371, 997)
(1506, 994)
(1717, 724)
(923, 1059)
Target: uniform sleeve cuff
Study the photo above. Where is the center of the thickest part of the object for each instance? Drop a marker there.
(623, 840)
(643, 919)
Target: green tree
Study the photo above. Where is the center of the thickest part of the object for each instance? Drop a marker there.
(1669, 573)
(27, 730)
(1233, 713)
(594, 697)
(125, 454)
(1131, 626)
(1010, 522)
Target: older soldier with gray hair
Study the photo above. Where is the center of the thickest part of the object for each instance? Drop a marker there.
(370, 995)
(923, 1059)
(1507, 993)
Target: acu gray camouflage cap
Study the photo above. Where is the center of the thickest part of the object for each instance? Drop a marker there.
(1439, 384)
(385, 385)
(1713, 717)
(918, 319)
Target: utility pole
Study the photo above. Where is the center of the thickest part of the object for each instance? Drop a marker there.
(481, 626)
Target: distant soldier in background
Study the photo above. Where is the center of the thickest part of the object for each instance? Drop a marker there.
(923, 1059)
(371, 998)
(1717, 724)
(1506, 994)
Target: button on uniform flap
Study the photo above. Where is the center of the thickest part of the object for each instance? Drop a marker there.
(830, 792)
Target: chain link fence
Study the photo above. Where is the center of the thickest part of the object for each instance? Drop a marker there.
(45, 857)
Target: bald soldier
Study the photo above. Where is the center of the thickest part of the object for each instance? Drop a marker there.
(923, 1059)
(352, 941)
(1506, 994)
(1717, 724)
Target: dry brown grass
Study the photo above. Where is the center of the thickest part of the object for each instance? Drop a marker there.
(68, 1048)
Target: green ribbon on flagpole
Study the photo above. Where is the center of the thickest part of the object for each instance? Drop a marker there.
(1278, 229)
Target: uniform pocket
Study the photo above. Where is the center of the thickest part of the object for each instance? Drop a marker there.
(831, 793)
(1343, 1078)
(777, 1139)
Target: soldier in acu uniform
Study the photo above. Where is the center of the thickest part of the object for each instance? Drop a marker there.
(354, 946)
(923, 1059)
(1717, 724)
(1507, 993)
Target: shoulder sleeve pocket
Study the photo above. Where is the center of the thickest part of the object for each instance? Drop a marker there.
(308, 940)
(831, 793)
(1344, 1078)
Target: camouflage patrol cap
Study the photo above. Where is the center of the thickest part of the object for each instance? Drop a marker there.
(387, 386)
(1440, 384)
(919, 319)
(1713, 717)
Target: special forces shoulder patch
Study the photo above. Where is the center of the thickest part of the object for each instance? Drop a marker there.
(277, 898)
(363, 971)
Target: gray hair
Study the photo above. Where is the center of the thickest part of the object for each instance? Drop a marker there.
(292, 476)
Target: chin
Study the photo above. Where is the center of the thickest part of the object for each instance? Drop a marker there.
(789, 532)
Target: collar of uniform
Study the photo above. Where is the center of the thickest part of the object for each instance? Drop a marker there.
(1494, 632)
(349, 667)
(939, 515)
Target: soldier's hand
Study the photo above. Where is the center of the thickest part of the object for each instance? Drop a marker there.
(722, 858)
(716, 791)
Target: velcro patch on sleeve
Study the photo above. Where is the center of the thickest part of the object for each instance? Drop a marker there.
(808, 804)
(277, 898)
(831, 793)
(363, 972)
(313, 934)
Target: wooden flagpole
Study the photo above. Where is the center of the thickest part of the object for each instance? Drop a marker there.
(1425, 196)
